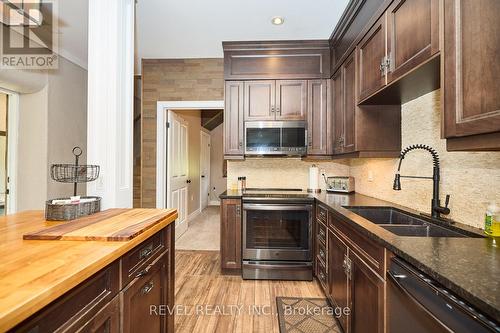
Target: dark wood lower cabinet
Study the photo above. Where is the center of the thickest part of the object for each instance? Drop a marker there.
(338, 282)
(366, 298)
(230, 235)
(107, 320)
(355, 286)
(146, 293)
(138, 302)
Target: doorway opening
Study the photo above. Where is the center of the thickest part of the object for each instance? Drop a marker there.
(189, 168)
(9, 123)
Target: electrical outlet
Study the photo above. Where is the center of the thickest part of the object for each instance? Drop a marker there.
(370, 176)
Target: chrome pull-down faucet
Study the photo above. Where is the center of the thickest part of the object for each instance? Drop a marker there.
(436, 208)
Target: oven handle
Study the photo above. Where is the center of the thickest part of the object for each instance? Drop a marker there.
(295, 266)
(276, 207)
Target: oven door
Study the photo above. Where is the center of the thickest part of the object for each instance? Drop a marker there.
(277, 232)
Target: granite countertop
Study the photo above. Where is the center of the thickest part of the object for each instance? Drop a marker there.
(470, 267)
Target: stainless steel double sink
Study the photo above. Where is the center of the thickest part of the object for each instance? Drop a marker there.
(405, 224)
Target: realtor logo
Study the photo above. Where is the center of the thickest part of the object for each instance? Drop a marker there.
(29, 35)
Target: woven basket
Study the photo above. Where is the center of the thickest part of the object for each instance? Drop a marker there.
(68, 212)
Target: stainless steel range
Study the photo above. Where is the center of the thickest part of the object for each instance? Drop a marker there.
(277, 234)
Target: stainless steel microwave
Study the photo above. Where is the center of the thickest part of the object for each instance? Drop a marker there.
(276, 138)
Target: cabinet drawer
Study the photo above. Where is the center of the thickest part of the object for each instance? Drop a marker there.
(147, 291)
(369, 251)
(321, 213)
(322, 274)
(321, 233)
(141, 256)
(75, 308)
(321, 252)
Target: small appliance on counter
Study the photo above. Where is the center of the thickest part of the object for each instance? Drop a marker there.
(66, 209)
(339, 184)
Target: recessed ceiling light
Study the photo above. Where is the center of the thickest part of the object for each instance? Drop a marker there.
(277, 20)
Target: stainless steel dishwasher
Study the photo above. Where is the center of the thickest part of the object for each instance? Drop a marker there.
(416, 303)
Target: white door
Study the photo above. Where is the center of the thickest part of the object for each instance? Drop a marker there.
(178, 169)
(204, 170)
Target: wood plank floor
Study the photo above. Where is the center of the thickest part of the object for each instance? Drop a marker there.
(200, 290)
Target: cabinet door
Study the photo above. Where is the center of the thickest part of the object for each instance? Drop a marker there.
(413, 34)
(366, 299)
(291, 99)
(107, 320)
(259, 100)
(338, 282)
(349, 78)
(149, 288)
(317, 118)
(230, 235)
(338, 111)
(471, 68)
(233, 118)
(372, 52)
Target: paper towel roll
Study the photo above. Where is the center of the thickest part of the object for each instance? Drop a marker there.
(313, 179)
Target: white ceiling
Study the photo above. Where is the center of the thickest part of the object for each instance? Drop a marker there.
(196, 28)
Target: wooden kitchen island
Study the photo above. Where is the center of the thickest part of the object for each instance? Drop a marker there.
(88, 285)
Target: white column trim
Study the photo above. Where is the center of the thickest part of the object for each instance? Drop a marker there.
(110, 100)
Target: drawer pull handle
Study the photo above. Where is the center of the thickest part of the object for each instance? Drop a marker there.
(144, 272)
(146, 252)
(147, 288)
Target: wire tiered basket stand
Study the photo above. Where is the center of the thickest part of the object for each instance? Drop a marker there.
(65, 209)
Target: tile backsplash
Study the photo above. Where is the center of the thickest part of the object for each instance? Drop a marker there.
(471, 178)
(280, 172)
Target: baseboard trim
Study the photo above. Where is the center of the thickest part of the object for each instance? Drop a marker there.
(214, 203)
(193, 215)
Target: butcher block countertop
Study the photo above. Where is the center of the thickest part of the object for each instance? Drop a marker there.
(33, 273)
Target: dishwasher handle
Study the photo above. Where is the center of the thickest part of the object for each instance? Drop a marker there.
(394, 279)
(438, 303)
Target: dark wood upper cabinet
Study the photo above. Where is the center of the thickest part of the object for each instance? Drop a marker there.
(372, 58)
(230, 235)
(412, 35)
(233, 119)
(338, 280)
(366, 299)
(291, 100)
(348, 140)
(318, 118)
(306, 59)
(338, 111)
(259, 99)
(471, 61)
